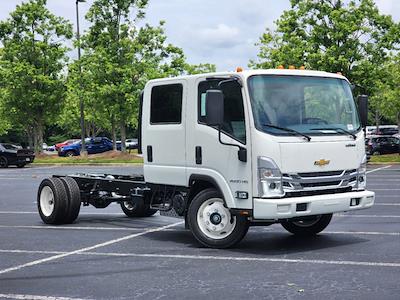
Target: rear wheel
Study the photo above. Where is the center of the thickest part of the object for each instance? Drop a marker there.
(137, 208)
(211, 222)
(308, 226)
(70, 154)
(74, 199)
(3, 162)
(52, 200)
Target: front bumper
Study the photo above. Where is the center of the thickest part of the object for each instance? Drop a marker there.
(284, 208)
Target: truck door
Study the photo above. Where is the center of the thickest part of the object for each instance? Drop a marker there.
(163, 128)
(207, 156)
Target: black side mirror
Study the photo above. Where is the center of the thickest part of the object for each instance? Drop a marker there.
(214, 107)
(362, 101)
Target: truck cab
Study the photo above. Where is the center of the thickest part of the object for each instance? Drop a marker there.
(263, 146)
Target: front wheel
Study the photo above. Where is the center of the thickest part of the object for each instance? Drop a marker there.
(3, 162)
(308, 226)
(211, 222)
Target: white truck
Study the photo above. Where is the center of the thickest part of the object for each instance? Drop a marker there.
(229, 150)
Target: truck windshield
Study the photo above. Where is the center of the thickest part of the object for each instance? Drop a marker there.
(309, 105)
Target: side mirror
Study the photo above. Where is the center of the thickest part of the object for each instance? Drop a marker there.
(362, 101)
(214, 107)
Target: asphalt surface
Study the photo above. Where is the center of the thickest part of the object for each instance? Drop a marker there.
(105, 255)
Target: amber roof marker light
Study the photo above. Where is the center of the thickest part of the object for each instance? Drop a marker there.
(239, 69)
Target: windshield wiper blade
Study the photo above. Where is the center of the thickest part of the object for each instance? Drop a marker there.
(308, 138)
(338, 129)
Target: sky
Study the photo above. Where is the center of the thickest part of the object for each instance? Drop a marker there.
(222, 32)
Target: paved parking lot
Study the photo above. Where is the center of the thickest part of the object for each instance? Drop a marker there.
(105, 255)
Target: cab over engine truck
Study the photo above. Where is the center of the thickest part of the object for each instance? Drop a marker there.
(229, 150)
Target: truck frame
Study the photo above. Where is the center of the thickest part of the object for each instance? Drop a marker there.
(226, 151)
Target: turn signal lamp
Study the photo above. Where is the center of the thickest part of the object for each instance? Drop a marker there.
(292, 67)
(280, 67)
(302, 68)
(339, 73)
(239, 69)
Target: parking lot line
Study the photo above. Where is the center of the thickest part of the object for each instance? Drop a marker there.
(35, 297)
(366, 216)
(386, 204)
(76, 227)
(377, 169)
(52, 258)
(225, 258)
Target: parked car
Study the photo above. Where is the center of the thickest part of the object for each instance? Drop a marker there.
(130, 144)
(67, 142)
(93, 145)
(377, 145)
(14, 155)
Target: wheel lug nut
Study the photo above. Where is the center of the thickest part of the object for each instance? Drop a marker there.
(208, 214)
(222, 224)
(208, 223)
(222, 216)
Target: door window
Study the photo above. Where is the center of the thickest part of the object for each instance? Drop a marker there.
(166, 104)
(234, 120)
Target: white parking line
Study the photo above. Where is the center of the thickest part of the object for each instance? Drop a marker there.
(367, 216)
(75, 227)
(34, 297)
(377, 169)
(224, 258)
(40, 261)
(386, 204)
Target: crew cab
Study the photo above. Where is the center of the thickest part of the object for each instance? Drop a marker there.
(226, 151)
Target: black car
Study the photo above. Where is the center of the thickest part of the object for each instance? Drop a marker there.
(382, 145)
(14, 155)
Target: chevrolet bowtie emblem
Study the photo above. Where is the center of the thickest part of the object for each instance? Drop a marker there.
(321, 162)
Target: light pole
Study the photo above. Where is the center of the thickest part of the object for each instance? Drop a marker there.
(83, 150)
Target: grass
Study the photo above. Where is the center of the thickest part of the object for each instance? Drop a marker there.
(388, 158)
(103, 158)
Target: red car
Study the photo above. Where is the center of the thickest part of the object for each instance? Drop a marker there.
(65, 143)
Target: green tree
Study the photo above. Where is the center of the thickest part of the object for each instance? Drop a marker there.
(330, 35)
(32, 87)
(120, 57)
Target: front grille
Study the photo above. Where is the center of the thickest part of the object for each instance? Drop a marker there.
(317, 183)
(320, 174)
(319, 192)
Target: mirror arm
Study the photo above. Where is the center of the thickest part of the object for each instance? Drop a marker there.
(234, 145)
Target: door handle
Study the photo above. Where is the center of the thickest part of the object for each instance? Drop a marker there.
(198, 155)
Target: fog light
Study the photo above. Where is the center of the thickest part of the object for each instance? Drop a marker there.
(272, 185)
(354, 201)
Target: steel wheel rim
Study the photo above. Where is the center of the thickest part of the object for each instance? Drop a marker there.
(215, 220)
(47, 201)
(307, 223)
(129, 205)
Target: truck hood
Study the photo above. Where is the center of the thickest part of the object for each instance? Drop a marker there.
(320, 156)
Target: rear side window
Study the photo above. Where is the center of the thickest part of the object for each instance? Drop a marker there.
(166, 104)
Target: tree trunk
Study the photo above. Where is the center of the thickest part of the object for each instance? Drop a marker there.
(30, 135)
(38, 137)
(123, 135)
(377, 119)
(113, 133)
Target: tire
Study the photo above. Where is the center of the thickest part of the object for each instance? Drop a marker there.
(74, 199)
(52, 201)
(70, 154)
(376, 153)
(3, 162)
(307, 227)
(206, 216)
(137, 209)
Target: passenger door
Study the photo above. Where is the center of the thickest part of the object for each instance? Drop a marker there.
(206, 156)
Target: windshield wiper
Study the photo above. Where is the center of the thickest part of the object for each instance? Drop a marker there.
(288, 130)
(337, 129)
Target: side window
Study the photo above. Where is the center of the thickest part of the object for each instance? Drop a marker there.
(166, 104)
(234, 120)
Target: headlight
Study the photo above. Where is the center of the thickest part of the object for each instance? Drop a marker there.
(269, 178)
(361, 174)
